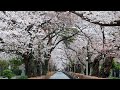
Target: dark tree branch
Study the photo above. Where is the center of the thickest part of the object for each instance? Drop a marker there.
(77, 56)
(52, 36)
(81, 62)
(63, 40)
(29, 27)
(56, 38)
(113, 23)
(88, 38)
(53, 32)
(11, 51)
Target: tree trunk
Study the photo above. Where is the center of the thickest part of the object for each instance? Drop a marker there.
(26, 62)
(107, 66)
(95, 71)
(45, 67)
(27, 59)
(95, 65)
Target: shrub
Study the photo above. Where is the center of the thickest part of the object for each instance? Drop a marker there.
(15, 63)
(16, 71)
(8, 73)
(115, 65)
(3, 65)
(23, 77)
(114, 78)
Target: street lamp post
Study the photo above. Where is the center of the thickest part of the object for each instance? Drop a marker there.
(87, 59)
(69, 68)
(86, 65)
(74, 68)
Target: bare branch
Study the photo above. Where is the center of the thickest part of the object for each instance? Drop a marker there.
(113, 23)
(11, 51)
(88, 38)
(77, 56)
(63, 40)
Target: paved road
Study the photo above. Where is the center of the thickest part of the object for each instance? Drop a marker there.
(59, 75)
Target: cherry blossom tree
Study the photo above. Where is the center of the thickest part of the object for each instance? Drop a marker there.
(35, 35)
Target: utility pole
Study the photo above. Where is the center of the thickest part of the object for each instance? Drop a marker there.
(74, 68)
(48, 66)
(41, 68)
(103, 53)
(103, 34)
(86, 65)
(69, 68)
(87, 60)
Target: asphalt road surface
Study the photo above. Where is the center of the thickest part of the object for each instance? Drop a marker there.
(59, 75)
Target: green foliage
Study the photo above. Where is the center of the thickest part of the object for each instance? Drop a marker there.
(3, 65)
(8, 73)
(68, 32)
(16, 71)
(115, 65)
(23, 77)
(15, 63)
(114, 78)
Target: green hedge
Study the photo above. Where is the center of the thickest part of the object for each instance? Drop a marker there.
(8, 73)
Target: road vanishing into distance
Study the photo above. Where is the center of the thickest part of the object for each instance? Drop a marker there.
(59, 75)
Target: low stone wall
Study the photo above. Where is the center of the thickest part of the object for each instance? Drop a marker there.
(82, 76)
(69, 75)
